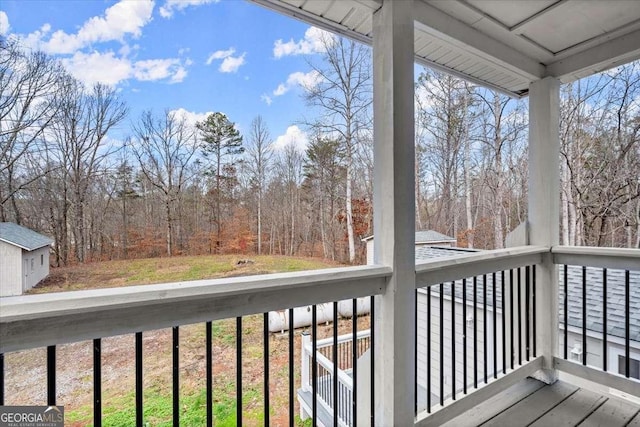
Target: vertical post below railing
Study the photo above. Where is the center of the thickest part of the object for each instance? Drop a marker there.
(51, 375)
(176, 375)
(139, 384)
(97, 383)
(266, 389)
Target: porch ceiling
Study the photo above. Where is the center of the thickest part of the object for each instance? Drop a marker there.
(503, 44)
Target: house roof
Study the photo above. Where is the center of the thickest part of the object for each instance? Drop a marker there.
(23, 237)
(594, 290)
(502, 44)
(432, 236)
(425, 236)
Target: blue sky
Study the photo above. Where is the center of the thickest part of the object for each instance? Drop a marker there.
(196, 55)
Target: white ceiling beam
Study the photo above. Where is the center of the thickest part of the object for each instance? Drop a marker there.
(444, 26)
(613, 52)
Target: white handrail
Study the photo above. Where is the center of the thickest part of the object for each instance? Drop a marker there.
(448, 269)
(616, 258)
(325, 342)
(322, 360)
(40, 320)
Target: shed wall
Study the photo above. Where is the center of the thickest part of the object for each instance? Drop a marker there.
(10, 270)
(35, 266)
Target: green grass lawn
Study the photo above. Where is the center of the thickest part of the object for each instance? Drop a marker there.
(161, 270)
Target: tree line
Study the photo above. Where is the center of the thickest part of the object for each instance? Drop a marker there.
(172, 187)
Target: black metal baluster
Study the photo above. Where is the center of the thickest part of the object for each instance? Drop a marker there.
(335, 363)
(475, 332)
(428, 350)
(527, 299)
(372, 359)
(511, 318)
(266, 370)
(314, 365)
(97, 383)
(627, 330)
(291, 377)
(566, 310)
(441, 344)
(484, 326)
(2, 379)
(209, 371)
(584, 315)
(453, 340)
(239, 371)
(176, 376)
(533, 296)
(139, 384)
(464, 336)
(495, 326)
(415, 355)
(504, 324)
(354, 362)
(519, 288)
(51, 375)
(604, 319)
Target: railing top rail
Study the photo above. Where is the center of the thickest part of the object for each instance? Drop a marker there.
(618, 258)
(447, 269)
(40, 320)
(325, 342)
(327, 364)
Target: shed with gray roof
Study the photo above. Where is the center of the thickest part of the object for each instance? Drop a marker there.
(24, 258)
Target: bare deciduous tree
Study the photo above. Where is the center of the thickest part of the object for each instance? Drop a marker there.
(165, 146)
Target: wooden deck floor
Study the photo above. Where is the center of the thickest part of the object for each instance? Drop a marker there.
(532, 403)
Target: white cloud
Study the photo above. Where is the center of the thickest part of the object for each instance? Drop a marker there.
(98, 68)
(191, 117)
(220, 54)
(179, 75)
(266, 98)
(4, 23)
(314, 41)
(170, 6)
(305, 80)
(107, 68)
(294, 136)
(155, 69)
(230, 63)
(123, 18)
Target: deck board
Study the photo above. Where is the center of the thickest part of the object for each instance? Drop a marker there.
(572, 410)
(496, 404)
(613, 413)
(635, 422)
(532, 407)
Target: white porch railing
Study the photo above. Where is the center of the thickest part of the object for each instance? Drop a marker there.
(326, 348)
(599, 312)
(505, 333)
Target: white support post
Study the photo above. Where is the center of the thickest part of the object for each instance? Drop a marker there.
(394, 211)
(544, 210)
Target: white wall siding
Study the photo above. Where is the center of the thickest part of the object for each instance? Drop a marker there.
(10, 270)
(460, 326)
(36, 264)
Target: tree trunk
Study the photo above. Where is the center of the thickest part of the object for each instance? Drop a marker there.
(352, 248)
(467, 198)
(169, 228)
